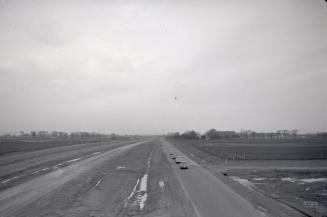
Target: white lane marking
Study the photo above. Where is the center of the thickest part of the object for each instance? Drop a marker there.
(73, 160)
(37, 171)
(57, 165)
(76, 159)
(149, 161)
(134, 189)
(8, 180)
(259, 179)
(161, 185)
(98, 183)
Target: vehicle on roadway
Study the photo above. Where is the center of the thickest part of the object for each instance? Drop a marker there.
(180, 160)
(183, 166)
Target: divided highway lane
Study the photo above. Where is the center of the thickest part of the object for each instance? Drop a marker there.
(17, 197)
(18, 167)
(210, 196)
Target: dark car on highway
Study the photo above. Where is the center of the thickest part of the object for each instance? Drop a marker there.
(183, 166)
(179, 160)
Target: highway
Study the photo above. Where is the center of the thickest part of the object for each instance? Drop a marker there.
(210, 196)
(23, 194)
(114, 179)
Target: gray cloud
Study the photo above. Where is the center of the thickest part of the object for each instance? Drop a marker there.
(113, 66)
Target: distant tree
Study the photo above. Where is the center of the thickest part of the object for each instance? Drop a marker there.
(43, 135)
(33, 134)
(322, 135)
(190, 135)
(175, 135)
(212, 134)
(113, 136)
(294, 132)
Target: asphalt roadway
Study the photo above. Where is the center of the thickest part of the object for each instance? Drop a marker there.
(207, 194)
(210, 196)
(17, 197)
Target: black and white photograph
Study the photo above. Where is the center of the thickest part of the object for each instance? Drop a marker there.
(163, 108)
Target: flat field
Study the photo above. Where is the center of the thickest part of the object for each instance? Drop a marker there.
(261, 149)
(290, 172)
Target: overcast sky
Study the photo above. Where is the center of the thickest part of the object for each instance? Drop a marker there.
(117, 66)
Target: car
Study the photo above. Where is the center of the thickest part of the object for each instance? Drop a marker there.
(180, 160)
(183, 166)
(173, 157)
(171, 154)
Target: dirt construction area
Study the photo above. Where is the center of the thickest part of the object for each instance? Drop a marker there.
(283, 178)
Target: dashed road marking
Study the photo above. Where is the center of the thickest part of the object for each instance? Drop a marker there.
(98, 183)
(8, 180)
(76, 159)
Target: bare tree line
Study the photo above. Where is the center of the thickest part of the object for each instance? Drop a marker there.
(245, 134)
(58, 135)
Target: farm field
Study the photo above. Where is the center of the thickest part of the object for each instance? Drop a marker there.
(263, 149)
(288, 172)
(302, 189)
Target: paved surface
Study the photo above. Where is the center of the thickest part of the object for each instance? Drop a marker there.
(134, 179)
(19, 196)
(16, 162)
(210, 196)
(103, 183)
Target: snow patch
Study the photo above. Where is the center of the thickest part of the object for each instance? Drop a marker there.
(141, 194)
(143, 184)
(304, 181)
(310, 180)
(161, 185)
(259, 179)
(243, 182)
(289, 179)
